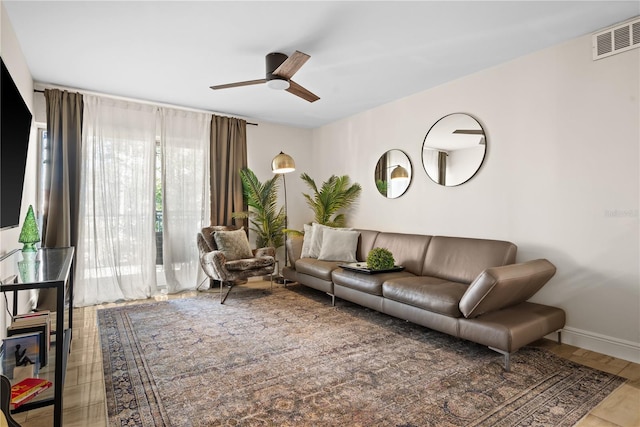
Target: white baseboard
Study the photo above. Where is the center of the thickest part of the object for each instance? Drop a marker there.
(616, 347)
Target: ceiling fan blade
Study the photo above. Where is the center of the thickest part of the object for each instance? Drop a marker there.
(303, 93)
(247, 83)
(291, 65)
(469, 131)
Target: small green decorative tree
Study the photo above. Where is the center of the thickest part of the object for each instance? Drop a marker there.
(380, 259)
(29, 234)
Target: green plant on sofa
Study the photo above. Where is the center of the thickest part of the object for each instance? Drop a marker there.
(380, 259)
(336, 194)
(266, 219)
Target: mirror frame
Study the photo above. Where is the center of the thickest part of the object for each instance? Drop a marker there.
(480, 163)
(407, 166)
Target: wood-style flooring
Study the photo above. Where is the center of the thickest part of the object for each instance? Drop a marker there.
(85, 402)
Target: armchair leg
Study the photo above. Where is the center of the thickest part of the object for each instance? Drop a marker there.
(224, 297)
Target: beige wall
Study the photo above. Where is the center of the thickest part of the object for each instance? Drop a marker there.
(267, 140)
(560, 178)
(17, 66)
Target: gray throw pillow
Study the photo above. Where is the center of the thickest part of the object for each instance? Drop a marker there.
(233, 244)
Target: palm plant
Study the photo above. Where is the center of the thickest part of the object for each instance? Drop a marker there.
(266, 219)
(335, 194)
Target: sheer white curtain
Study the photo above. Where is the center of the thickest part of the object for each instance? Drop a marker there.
(185, 180)
(116, 242)
(430, 162)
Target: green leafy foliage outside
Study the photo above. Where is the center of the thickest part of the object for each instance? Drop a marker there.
(380, 259)
(335, 195)
(266, 218)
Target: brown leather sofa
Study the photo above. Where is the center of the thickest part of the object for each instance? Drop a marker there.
(468, 288)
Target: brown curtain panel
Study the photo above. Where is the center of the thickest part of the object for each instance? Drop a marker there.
(60, 216)
(228, 156)
(381, 168)
(64, 128)
(442, 168)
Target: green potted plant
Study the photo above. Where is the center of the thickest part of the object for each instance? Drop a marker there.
(336, 194)
(266, 218)
(380, 259)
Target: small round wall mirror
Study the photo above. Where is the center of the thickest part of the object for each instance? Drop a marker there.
(393, 174)
(454, 149)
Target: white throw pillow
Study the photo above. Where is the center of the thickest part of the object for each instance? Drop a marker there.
(316, 239)
(306, 241)
(339, 245)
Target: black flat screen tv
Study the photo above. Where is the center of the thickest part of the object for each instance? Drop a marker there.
(15, 126)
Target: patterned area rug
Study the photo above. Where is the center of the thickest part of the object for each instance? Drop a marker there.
(288, 358)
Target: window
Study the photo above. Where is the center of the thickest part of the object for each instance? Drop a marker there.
(44, 175)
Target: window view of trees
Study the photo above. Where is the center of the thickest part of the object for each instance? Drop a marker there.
(158, 204)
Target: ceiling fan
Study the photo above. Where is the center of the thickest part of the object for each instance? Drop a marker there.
(279, 70)
(472, 132)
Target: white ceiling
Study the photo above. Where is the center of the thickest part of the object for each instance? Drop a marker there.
(363, 54)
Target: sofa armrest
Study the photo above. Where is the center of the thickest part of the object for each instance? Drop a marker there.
(500, 287)
(294, 248)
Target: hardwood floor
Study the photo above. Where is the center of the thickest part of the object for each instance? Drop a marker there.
(84, 393)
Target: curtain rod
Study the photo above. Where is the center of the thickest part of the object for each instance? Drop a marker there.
(249, 123)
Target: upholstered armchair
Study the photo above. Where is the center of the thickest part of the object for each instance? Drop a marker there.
(226, 257)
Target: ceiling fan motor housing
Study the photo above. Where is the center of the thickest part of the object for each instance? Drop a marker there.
(273, 61)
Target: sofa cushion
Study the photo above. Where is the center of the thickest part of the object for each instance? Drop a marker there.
(461, 259)
(369, 283)
(339, 245)
(233, 244)
(500, 287)
(429, 293)
(513, 327)
(408, 249)
(249, 263)
(365, 243)
(316, 268)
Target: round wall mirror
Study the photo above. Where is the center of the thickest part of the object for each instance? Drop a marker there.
(454, 149)
(393, 174)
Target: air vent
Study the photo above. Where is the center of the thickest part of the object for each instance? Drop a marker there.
(616, 39)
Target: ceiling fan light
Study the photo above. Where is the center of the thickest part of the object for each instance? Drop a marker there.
(278, 84)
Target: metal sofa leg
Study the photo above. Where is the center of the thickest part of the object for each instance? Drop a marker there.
(507, 358)
(560, 336)
(223, 298)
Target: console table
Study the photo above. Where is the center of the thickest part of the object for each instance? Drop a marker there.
(52, 268)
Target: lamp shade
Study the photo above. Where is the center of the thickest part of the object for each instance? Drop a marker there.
(283, 163)
(399, 172)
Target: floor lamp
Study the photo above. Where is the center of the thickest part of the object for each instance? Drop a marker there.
(283, 164)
